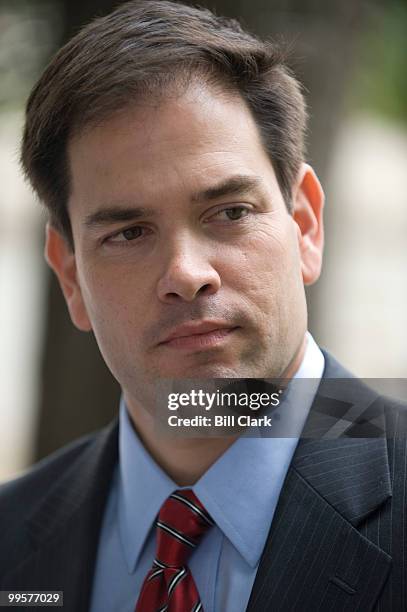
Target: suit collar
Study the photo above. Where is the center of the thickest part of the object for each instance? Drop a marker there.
(351, 472)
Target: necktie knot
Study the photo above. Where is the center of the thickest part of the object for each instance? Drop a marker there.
(181, 523)
(169, 585)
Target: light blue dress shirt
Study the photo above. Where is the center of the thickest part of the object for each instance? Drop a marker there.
(240, 491)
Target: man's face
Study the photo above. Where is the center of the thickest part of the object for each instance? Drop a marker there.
(187, 262)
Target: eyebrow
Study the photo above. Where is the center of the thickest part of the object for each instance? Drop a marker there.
(239, 184)
(115, 214)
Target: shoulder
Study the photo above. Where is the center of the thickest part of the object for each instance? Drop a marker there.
(72, 482)
(396, 419)
(19, 496)
(363, 387)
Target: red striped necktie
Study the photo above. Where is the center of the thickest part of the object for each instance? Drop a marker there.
(169, 585)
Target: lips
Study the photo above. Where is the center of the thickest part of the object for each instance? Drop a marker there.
(196, 329)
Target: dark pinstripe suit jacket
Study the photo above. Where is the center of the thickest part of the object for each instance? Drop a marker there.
(337, 541)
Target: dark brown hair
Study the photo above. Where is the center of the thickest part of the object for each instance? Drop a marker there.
(140, 50)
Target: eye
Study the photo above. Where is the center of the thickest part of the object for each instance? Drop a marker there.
(127, 235)
(132, 233)
(233, 213)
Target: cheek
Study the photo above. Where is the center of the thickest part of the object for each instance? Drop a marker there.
(261, 266)
(111, 302)
(115, 313)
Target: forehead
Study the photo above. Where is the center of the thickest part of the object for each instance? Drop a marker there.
(182, 142)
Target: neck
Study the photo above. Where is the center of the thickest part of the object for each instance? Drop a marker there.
(296, 361)
(185, 460)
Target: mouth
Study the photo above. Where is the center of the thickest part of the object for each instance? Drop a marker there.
(198, 336)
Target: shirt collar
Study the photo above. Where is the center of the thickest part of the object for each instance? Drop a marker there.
(242, 507)
(143, 488)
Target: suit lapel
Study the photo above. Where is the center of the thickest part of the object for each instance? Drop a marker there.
(315, 558)
(63, 530)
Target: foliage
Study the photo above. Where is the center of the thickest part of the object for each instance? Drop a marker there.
(380, 83)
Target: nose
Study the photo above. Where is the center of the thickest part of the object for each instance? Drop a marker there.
(188, 273)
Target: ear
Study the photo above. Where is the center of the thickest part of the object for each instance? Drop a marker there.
(61, 258)
(308, 203)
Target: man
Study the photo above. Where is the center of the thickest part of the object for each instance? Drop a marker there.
(167, 145)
